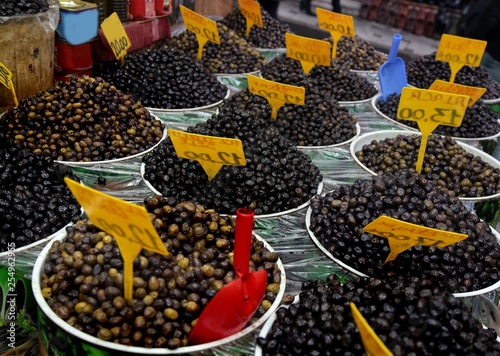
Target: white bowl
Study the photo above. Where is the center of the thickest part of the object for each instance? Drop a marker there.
(358, 143)
(402, 125)
(358, 131)
(110, 347)
(263, 216)
(200, 108)
(361, 274)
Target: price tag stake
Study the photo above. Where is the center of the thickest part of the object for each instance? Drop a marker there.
(116, 36)
(403, 235)
(372, 343)
(276, 94)
(430, 109)
(210, 151)
(459, 51)
(204, 28)
(308, 51)
(6, 80)
(337, 24)
(128, 223)
(250, 9)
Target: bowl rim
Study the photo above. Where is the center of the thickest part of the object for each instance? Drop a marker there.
(49, 313)
(199, 108)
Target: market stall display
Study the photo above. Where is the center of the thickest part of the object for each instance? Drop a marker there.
(409, 316)
(277, 177)
(318, 122)
(480, 121)
(271, 35)
(170, 291)
(233, 55)
(35, 202)
(336, 80)
(166, 79)
(455, 168)
(337, 220)
(84, 120)
(423, 71)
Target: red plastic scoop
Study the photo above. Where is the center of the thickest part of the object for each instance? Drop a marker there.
(233, 306)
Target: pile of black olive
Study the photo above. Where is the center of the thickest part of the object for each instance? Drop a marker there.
(479, 119)
(338, 219)
(277, 176)
(34, 199)
(423, 71)
(336, 80)
(358, 54)
(271, 35)
(318, 122)
(163, 78)
(82, 278)
(446, 164)
(411, 317)
(234, 55)
(22, 7)
(83, 120)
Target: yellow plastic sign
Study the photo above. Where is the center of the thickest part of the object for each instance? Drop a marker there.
(210, 151)
(128, 223)
(337, 24)
(6, 79)
(116, 36)
(459, 51)
(430, 109)
(372, 343)
(474, 93)
(308, 51)
(204, 28)
(403, 235)
(250, 9)
(277, 94)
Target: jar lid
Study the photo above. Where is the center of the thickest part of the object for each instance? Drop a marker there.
(71, 3)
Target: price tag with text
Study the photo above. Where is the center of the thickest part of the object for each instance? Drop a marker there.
(308, 51)
(277, 94)
(430, 109)
(337, 24)
(460, 51)
(116, 36)
(250, 9)
(403, 235)
(210, 151)
(6, 79)
(128, 223)
(474, 93)
(372, 343)
(204, 28)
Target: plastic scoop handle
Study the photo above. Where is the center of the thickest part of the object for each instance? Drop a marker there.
(396, 40)
(243, 241)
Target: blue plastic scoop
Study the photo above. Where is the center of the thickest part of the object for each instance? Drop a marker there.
(392, 74)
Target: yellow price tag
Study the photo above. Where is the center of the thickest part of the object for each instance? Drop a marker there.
(474, 93)
(204, 28)
(459, 51)
(277, 94)
(308, 51)
(128, 223)
(6, 79)
(372, 343)
(250, 9)
(337, 24)
(430, 109)
(116, 36)
(403, 235)
(210, 151)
